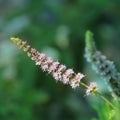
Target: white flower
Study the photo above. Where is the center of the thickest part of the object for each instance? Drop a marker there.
(92, 88)
(53, 67)
(76, 80)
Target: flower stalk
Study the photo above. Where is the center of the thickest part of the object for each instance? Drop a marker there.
(57, 70)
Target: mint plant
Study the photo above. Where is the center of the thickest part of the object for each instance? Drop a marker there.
(102, 66)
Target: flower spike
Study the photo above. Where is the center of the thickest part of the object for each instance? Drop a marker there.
(57, 70)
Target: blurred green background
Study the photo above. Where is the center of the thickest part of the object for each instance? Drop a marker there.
(57, 28)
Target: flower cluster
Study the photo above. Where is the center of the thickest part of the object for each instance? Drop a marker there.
(57, 70)
(105, 68)
(92, 88)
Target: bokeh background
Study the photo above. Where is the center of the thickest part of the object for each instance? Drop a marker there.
(57, 28)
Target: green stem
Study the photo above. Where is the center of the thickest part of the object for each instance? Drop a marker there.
(99, 94)
(105, 99)
(83, 84)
